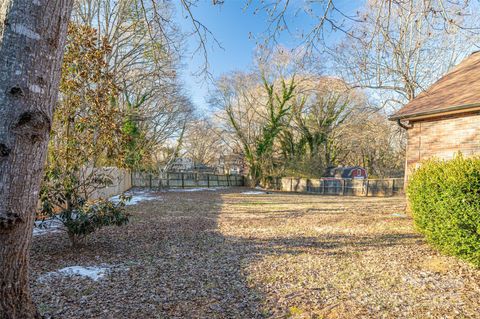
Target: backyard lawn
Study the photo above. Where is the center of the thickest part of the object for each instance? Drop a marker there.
(230, 254)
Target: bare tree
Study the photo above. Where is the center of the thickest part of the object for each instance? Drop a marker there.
(203, 142)
(322, 107)
(144, 60)
(256, 108)
(400, 48)
(369, 140)
(32, 37)
(202, 33)
(327, 16)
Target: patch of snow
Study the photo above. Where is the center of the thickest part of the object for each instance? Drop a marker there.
(137, 196)
(198, 189)
(47, 227)
(94, 273)
(254, 193)
(399, 215)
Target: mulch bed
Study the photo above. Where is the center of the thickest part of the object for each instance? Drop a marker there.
(223, 254)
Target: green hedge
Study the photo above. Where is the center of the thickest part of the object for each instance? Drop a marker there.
(445, 201)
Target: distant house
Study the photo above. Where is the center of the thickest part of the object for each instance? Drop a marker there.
(232, 164)
(355, 172)
(181, 164)
(204, 169)
(446, 118)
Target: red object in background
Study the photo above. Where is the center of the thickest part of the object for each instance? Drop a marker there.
(359, 173)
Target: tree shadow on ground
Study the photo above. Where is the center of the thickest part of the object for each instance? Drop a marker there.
(172, 261)
(169, 262)
(324, 243)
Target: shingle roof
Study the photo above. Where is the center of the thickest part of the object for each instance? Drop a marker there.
(458, 90)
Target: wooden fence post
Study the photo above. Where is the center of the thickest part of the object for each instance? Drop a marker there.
(366, 191)
(150, 180)
(183, 181)
(343, 186)
(393, 186)
(228, 180)
(208, 180)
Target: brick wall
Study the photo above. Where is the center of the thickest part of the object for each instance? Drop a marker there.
(442, 138)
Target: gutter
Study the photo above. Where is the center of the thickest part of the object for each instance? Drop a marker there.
(453, 109)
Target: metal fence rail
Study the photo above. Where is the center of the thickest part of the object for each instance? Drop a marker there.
(184, 180)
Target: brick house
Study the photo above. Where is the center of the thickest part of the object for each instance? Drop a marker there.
(445, 119)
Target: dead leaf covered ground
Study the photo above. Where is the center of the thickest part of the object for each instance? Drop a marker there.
(225, 254)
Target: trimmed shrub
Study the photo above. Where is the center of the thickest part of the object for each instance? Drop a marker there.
(445, 202)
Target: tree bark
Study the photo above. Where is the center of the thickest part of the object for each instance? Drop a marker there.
(32, 39)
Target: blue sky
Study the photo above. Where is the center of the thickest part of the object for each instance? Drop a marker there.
(233, 27)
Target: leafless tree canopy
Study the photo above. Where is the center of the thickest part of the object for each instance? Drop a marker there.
(145, 57)
(324, 122)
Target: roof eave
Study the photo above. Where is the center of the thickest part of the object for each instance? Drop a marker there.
(434, 113)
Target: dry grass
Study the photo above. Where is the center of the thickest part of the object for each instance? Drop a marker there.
(231, 255)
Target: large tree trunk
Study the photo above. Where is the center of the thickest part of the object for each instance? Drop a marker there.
(32, 39)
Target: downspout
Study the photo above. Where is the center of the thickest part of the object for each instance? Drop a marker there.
(404, 126)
